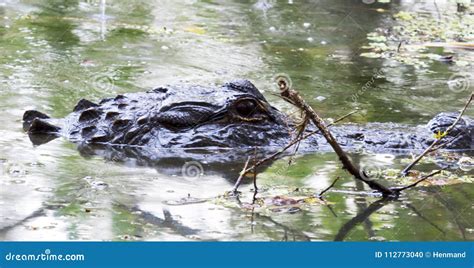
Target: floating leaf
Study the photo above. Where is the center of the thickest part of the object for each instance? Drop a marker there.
(376, 37)
(439, 135)
(402, 15)
(312, 200)
(195, 29)
(371, 55)
(462, 63)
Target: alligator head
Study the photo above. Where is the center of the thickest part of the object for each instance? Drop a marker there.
(234, 116)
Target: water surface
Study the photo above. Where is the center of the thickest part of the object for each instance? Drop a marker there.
(54, 53)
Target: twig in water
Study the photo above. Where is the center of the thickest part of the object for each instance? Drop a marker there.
(274, 155)
(444, 144)
(418, 181)
(437, 141)
(255, 188)
(241, 175)
(298, 101)
(330, 186)
(399, 46)
(301, 128)
(293, 142)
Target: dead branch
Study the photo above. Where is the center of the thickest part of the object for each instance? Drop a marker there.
(295, 141)
(241, 175)
(298, 101)
(330, 186)
(418, 181)
(437, 141)
(255, 188)
(445, 143)
(274, 155)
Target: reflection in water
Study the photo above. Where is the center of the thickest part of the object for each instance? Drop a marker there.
(57, 52)
(103, 19)
(362, 217)
(172, 161)
(366, 211)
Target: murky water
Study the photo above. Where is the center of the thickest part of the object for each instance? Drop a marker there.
(55, 52)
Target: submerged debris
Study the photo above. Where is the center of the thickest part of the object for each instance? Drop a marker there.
(418, 39)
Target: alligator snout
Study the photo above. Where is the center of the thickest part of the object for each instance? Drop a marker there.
(235, 115)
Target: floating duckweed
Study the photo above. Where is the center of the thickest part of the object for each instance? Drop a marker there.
(416, 35)
(403, 15)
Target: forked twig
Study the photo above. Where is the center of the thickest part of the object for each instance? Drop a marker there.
(329, 187)
(295, 141)
(274, 155)
(298, 101)
(255, 188)
(418, 181)
(437, 141)
(241, 175)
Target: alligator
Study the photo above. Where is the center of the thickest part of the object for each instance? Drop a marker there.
(189, 121)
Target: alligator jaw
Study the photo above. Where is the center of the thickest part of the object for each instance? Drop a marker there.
(39, 128)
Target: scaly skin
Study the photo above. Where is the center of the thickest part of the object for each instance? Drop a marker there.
(183, 122)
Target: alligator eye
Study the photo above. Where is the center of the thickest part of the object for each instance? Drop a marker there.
(246, 108)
